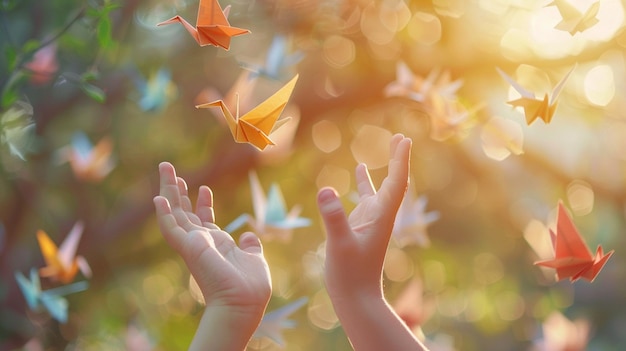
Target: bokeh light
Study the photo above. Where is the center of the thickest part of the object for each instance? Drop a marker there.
(326, 136)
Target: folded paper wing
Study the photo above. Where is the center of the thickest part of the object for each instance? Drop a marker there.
(212, 27)
(533, 107)
(52, 300)
(275, 321)
(573, 20)
(572, 257)
(255, 126)
(62, 264)
(271, 218)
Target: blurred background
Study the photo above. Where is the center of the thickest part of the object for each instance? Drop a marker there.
(95, 95)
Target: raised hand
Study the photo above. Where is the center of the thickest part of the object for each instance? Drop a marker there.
(356, 245)
(355, 252)
(234, 280)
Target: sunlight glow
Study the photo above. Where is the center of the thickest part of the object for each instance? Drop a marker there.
(326, 136)
(488, 268)
(338, 51)
(536, 29)
(158, 289)
(600, 85)
(450, 8)
(321, 312)
(374, 28)
(553, 42)
(398, 266)
(425, 28)
(337, 177)
(501, 138)
(509, 305)
(371, 146)
(580, 196)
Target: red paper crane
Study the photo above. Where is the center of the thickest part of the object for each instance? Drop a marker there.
(212, 27)
(572, 258)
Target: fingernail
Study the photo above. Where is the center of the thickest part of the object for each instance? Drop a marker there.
(329, 200)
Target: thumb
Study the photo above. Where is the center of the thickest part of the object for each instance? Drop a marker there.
(333, 214)
(250, 243)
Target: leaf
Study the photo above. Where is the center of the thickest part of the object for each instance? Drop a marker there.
(89, 76)
(11, 55)
(104, 31)
(93, 92)
(9, 96)
(8, 5)
(31, 46)
(10, 92)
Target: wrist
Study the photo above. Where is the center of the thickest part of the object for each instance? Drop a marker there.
(347, 300)
(226, 328)
(240, 315)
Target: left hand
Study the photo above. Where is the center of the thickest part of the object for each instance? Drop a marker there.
(236, 277)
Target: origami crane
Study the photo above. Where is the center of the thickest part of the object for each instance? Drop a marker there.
(52, 300)
(212, 27)
(535, 108)
(62, 264)
(255, 126)
(277, 61)
(412, 220)
(44, 65)
(573, 20)
(88, 162)
(572, 258)
(436, 84)
(275, 321)
(17, 129)
(270, 214)
(157, 91)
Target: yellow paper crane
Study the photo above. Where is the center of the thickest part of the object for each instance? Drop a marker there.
(255, 126)
(62, 264)
(533, 107)
(573, 20)
(212, 27)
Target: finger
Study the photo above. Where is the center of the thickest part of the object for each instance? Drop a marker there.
(393, 143)
(397, 180)
(183, 190)
(333, 215)
(168, 225)
(171, 190)
(204, 205)
(250, 243)
(363, 181)
(187, 220)
(168, 184)
(185, 203)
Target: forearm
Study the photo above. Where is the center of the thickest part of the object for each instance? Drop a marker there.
(371, 324)
(225, 329)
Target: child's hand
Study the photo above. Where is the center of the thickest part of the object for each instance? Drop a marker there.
(234, 280)
(356, 245)
(355, 253)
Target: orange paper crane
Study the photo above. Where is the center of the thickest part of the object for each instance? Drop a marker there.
(533, 107)
(212, 27)
(572, 259)
(62, 264)
(255, 126)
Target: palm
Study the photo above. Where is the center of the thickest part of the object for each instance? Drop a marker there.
(227, 274)
(360, 254)
(375, 212)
